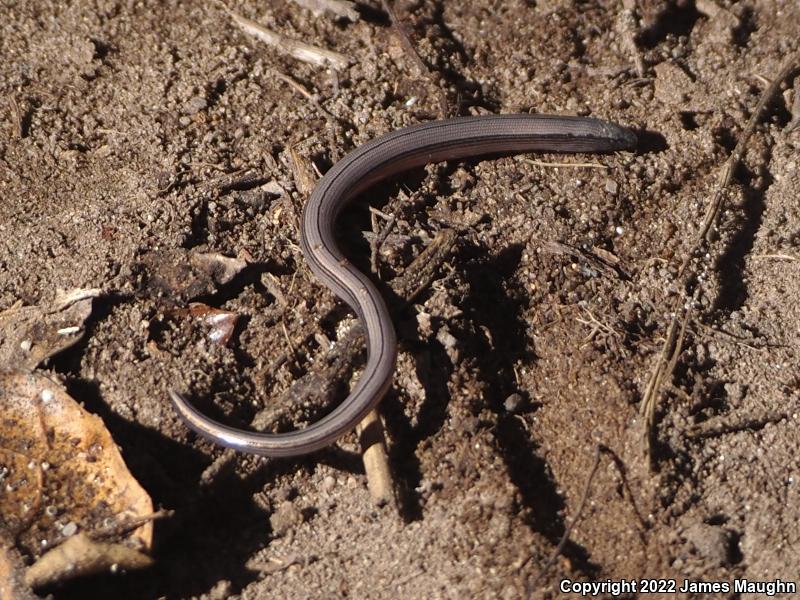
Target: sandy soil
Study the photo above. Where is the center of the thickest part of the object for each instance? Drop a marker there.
(137, 133)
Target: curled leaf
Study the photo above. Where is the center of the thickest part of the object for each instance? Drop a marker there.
(221, 323)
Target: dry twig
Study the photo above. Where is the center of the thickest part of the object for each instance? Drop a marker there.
(663, 370)
(380, 238)
(299, 50)
(411, 51)
(80, 555)
(629, 24)
(19, 129)
(298, 87)
(330, 369)
(665, 365)
(642, 523)
(741, 145)
(568, 530)
(376, 460)
(576, 165)
(716, 428)
(597, 261)
(795, 122)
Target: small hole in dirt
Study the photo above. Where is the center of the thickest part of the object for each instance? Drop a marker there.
(673, 21)
(717, 520)
(101, 48)
(725, 138)
(688, 121)
(734, 552)
(747, 25)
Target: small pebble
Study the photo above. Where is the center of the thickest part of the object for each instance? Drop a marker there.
(514, 403)
(711, 542)
(285, 518)
(195, 105)
(286, 493)
(446, 338)
(223, 589)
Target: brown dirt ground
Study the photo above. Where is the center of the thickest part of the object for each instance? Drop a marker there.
(133, 119)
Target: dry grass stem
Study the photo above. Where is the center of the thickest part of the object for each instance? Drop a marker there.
(628, 23)
(668, 358)
(579, 165)
(299, 50)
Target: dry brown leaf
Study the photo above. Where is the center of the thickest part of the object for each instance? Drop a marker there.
(605, 255)
(31, 334)
(61, 471)
(181, 275)
(222, 323)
